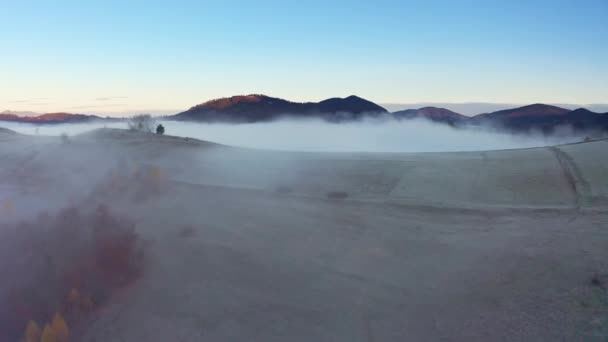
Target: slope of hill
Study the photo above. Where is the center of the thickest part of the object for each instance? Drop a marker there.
(49, 118)
(533, 110)
(541, 117)
(432, 113)
(352, 107)
(584, 119)
(6, 131)
(19, 113)
(260, 108)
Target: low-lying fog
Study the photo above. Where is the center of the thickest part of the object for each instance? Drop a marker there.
(313, 135)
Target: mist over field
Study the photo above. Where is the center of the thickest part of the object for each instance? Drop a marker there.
(319, 136)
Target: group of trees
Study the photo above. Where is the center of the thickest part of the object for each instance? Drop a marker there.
(145, 123)
(62, 266)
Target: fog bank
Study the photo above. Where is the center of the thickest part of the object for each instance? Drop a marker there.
(318, 136)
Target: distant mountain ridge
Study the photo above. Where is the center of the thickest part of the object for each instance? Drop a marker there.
(542, 118)
(20, 113)
(260, 108)
(49, 118)
(537, 109)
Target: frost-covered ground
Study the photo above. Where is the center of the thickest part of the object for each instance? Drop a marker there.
(249, 245)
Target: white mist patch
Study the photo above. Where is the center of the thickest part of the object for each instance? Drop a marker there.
(318, 136)
(367, 136)
(59, 129)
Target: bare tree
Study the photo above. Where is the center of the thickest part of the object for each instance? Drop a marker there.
(141, 123)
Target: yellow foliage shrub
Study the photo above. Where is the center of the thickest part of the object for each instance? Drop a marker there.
(74, 298)
(155, 173)
(48, 335)
(86, 303)
(32, 332)
(60, 328)
(8, 206)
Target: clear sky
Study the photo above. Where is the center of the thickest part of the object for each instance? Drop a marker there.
(134, 56)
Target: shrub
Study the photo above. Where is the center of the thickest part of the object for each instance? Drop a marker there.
(599, 280)
(142, 181)
(32, 332)
(160, 129)
(60, 328)
(337, 195)
(186, 232)
(283, 189)
(48, 335)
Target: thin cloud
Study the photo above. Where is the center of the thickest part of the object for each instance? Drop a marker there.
(99, 105)
(32, 100)
(109, 98)
(40, 103)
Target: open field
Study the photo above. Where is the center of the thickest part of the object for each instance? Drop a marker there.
(252, 245)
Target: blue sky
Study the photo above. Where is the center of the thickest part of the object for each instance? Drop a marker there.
(131, 56)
